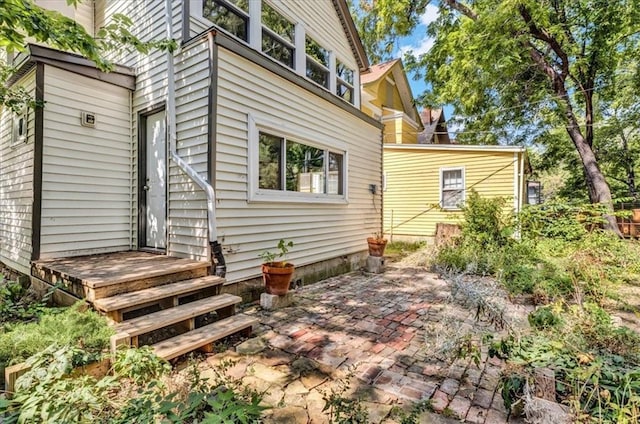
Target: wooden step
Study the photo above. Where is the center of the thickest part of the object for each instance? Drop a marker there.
(170, 316)
(127, 301)
(192, 340)
(156, 279)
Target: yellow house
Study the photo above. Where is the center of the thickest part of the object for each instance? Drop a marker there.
(386, 96)
(426, 178)
(426, 184)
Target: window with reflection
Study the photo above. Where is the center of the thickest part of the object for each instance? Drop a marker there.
(344, 81)
(317, 62)
(278, 36)
(231, 15)
(289, 165)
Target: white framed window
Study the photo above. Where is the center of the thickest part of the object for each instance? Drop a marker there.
(317, 62)
(278, 36)
(19, 127)
(452, 189)
(284, 167)
(344, 82)
(230, 15)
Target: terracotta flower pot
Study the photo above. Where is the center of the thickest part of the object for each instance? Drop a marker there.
(277, 277)
(376, 246)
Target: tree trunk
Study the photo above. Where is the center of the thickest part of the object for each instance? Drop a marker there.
(599, 191)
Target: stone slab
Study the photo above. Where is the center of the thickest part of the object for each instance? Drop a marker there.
(272, 301)
(375, 264)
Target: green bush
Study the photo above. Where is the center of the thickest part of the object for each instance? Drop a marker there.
(72, 326)
(48, 393)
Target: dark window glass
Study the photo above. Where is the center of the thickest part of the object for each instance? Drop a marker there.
(344, 73)
(270, 162)
(277, 23)
(305, 168)
(317, 73)
(345, 92)
(335, 177)
(231, 15)
(278, 50)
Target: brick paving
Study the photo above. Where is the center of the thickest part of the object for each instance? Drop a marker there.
(383, 330)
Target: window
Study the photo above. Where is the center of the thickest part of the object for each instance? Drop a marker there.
(231, 15)
(317, 62)
(289, 165)
(278, 36)
(452, 188)
(534, 192)
(19, 127)
(344, 82)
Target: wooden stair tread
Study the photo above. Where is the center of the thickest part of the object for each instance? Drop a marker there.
(126, 300)
(136, 274)
(184, 343)
(166, 317)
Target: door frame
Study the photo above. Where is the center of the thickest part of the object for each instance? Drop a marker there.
(142, 178)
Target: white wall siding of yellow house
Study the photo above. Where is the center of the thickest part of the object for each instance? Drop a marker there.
(16, 187)
(86, 172)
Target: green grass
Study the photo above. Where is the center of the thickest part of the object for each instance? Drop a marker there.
(69, 326)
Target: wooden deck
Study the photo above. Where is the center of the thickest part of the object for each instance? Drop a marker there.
(150, 296)
(96, 276)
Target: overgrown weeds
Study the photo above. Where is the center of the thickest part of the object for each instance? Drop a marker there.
(566, 262)
(133, 393)
(75, 326)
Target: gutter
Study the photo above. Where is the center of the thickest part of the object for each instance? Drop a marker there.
(217, 257)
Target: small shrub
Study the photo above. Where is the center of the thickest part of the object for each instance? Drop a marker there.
(543, 318)
(49, 393)
(17, 303)
(73, 326)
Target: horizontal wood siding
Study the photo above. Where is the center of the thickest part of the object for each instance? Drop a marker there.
(413, 185)
(188, 234)
(86, 174)
(319, 231)
(186, 237)
(16, 188)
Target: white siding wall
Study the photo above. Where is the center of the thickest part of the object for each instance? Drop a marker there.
(86, 172)
(319, 231)
(188, 233)
(16, 189)
(82, 13)
(186, 237)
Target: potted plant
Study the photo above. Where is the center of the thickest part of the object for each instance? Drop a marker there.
(277, 274)
(377, 243)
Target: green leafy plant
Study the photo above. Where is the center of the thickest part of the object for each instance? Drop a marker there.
(283, 247)
(143, 394)
(17, 303)
(74, 326)
(343, 409)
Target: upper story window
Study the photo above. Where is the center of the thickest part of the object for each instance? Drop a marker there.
(231, 15)
(344, 81)
(289, 165)
(452, 188)
(278, 36)
(263, 27)
(317, 62)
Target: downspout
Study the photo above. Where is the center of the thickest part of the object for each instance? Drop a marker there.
(217, 257)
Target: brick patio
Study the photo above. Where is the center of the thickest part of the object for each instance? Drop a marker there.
(382, 330)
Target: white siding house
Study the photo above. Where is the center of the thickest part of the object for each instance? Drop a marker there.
(267, 117)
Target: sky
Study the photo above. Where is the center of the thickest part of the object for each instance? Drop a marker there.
(420, 43)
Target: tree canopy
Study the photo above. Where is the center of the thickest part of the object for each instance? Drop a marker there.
(23, 20)
(520, 70)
